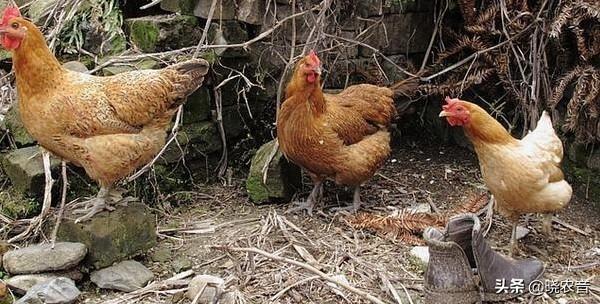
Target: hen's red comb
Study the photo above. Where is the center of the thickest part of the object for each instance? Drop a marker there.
(449, 102)
(314, 57)
(9, 13)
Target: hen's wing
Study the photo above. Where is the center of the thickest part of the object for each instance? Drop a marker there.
(359, 110)
(127, 102)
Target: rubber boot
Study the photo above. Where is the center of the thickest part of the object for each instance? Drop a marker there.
(463, 268)
(449, 277)
(500, 277)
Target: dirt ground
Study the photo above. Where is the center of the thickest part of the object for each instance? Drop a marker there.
(417, 172)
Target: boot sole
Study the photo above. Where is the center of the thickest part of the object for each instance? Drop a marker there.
(462, 297)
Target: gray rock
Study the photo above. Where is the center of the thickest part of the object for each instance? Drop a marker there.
(56, 291)
(25, 169)
(161, 254)
(283, 177)
(42, 258)
(112, 236)
(181, 263)
(75, 66)
(406, 33)
(228, 297)
(16, 128)
(226, 9)
(125, 276)
(163, 32)
(213, 287)
(251, 11)
(228, 32)
(22, 283)
(197, 106)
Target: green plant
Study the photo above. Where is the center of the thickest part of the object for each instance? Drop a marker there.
(98, 19)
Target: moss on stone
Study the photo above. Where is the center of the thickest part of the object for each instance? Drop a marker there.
(282, 180)
(25, 169)
(144, 64)
(144, 34)
(16, 206)
(16, 127)
(112, 236)
(197, 107)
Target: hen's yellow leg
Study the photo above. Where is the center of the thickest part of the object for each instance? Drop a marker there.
(547, 224)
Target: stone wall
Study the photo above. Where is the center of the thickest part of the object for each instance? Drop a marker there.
(399, 29)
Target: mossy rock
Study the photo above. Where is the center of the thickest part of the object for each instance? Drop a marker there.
(144, 64)
(163, 32)
(184, 7)
(196, 140)
(232, 122)
(16, 127)
(112, 236)
(4, 54)
(25, 169)
(228, 32)
(283, 177)
(204, 133)
(197, 106)
(17, 206)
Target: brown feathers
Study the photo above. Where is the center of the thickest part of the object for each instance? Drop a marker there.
(407, 226)
(109, 125)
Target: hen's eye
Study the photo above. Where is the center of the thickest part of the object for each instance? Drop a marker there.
(15, 25)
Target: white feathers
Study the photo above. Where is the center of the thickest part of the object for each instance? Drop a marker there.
(543, 142)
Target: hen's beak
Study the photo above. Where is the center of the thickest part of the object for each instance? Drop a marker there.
(2, 30)
(318, 70)
(445, 114)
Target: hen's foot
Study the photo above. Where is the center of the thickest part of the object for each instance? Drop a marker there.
(314, 196)
(115, 197)
(300, 206)
(513, 246)
(356, 203)
(91, 207)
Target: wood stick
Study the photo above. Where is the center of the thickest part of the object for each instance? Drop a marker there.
(321, 274)
(283, 291)
(36, 222)
(391, 288)
(63, 200)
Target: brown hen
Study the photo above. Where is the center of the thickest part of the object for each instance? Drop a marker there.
(108, 125)
(339, 136)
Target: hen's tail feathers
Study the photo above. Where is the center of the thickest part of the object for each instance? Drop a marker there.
(406, 87)
(191, 74)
